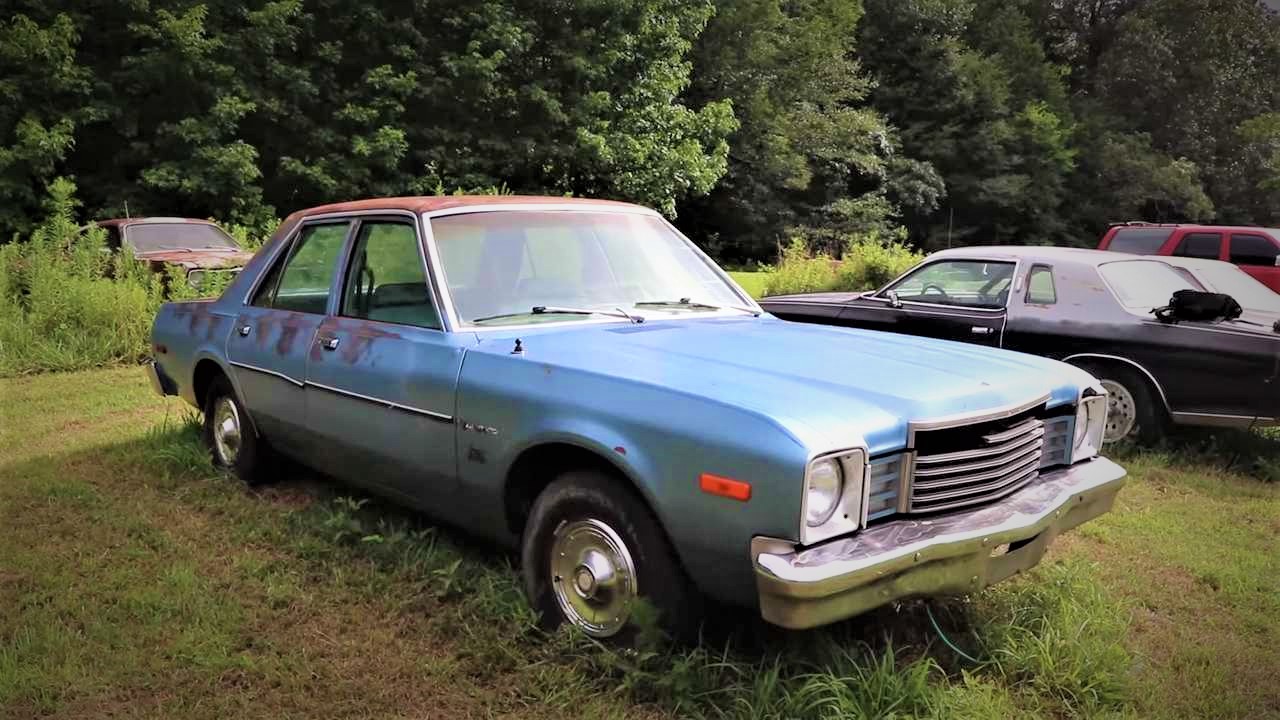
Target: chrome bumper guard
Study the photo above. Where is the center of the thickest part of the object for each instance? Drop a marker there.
(947, 554)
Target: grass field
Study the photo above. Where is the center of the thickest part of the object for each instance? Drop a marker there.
(135, 581)
(752, 282)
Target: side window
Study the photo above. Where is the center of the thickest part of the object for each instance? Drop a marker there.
(307, 274)
(968, 283)
(1040, 287)
(1139, 240)
(1252, 250)
(1199, 245)
(386, 280)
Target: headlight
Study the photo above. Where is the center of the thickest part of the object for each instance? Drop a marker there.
(1091, 421)
(822, 492)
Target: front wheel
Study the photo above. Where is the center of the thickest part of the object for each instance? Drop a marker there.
(591, 550)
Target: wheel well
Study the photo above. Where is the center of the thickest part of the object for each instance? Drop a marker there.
(1157, 393)
(538, 466)
(205, 373)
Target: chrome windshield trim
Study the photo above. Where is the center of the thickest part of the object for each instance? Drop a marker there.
(265, 371)
(454, 322)
(385, 403)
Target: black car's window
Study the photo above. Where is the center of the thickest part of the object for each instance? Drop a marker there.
(1199, 245)
(1040, 286)
(386, 280)
(1139, 240)
(1249, 249)
(1143, 285)
(967, 283)
(307, 274)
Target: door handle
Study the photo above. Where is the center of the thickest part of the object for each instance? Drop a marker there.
(981, 330)
(329, 343)
(245, 330)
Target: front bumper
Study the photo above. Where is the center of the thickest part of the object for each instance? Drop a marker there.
(947, 554)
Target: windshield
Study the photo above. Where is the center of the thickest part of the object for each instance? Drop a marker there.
(1144, 285)
(150, 237)
(1240, 285)
(500, 266)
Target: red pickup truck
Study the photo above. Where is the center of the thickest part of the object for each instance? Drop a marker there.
(1256, 250)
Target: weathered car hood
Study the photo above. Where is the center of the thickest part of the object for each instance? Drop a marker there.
(204, 259)
(830, 387)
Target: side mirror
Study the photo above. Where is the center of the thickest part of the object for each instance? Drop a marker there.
(893, 299)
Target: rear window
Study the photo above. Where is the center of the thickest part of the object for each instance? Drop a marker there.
(1143, 285)
(1139, 240)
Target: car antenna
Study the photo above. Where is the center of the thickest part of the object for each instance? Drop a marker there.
(126, 210)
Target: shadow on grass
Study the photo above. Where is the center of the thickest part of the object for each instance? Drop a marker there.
(886, 662)
(1254, 453)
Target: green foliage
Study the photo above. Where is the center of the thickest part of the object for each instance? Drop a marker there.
(67, 302)
(867, 263)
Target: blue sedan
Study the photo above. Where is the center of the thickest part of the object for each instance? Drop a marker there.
(577, 379)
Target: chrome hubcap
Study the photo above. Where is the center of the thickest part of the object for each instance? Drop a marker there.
(593, 576)
(226, 431)
(1122, 411)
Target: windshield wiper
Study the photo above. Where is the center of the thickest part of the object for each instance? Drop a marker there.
(689, 303)
(555, 310)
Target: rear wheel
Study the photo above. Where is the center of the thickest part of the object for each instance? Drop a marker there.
(228, 435)
(592, 550)
(1133, 410)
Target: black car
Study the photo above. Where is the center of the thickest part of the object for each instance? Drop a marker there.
(1090, 308)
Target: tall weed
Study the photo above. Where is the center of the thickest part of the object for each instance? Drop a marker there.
(867, 262)
(68, 303)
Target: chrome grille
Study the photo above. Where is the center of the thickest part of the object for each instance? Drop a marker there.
(975, 464)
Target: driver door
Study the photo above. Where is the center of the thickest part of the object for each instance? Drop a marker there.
(957, 299)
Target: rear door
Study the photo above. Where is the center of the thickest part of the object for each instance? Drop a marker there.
(382, 372)
(953, 299)
(268, 346)
(1256, 254)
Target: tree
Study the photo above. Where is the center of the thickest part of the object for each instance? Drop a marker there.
(809, 156)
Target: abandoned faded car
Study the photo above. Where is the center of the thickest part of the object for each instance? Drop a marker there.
(577, 379)
(199, 247)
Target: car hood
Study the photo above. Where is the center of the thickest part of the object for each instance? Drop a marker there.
(204, 258)
(829, 387)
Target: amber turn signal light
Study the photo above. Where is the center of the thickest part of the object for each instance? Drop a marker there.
(724, 487)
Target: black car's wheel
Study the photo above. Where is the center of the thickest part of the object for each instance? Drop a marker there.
(1133, 411)
(228, 435)
(591, 549)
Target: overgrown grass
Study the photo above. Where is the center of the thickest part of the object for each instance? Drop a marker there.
(866, 263)
(67, 303)
(141, 578)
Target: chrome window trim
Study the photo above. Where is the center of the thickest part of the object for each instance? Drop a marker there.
(962, 419)
(1013, 283)
(413, 221)
(287, 247)
(442, 417)
(265, 371)
(455, 323)
(1164, 400)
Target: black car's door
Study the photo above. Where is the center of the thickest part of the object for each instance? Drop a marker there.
(953, 299)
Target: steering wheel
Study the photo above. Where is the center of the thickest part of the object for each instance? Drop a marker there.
(937, 289)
